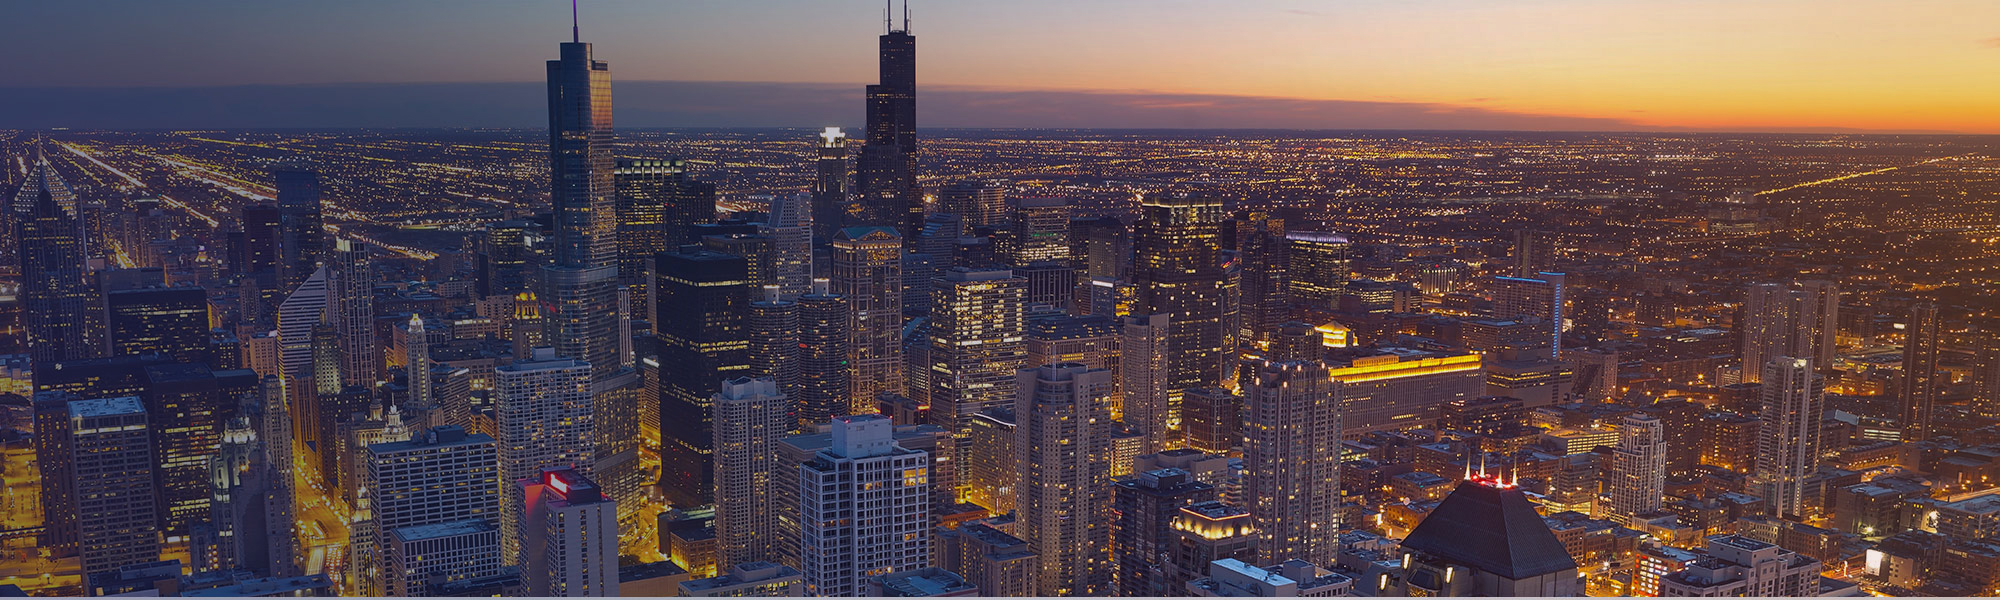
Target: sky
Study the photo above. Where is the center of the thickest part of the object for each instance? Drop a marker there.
(1725, 65)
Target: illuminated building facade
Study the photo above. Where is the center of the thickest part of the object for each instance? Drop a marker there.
(1291, 458)
(1065, 415)
(1397, 388)
(543, 413)
(1798, 320)
(868, 271)
(863, 477)
(1317, 268)
(1788, 439)
(569, 535)
(702, 342)
(976, 346)
(1143, 538)
(1179, 272)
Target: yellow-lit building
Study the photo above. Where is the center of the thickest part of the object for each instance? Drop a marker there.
(1399, 388)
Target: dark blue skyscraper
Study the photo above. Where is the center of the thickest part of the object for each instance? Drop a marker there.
(302, 235)
(56, 297)
(886, 178)
(581, 283)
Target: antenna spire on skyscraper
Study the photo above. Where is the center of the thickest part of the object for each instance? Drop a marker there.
(575, 33)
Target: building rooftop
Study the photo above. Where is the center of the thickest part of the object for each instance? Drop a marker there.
(105, 407)
(930, 581)
(1981, 505)
(269, 586)
(441, 530)
(1492, 528)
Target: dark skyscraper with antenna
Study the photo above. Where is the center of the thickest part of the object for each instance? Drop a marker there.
(886, 173)
(582, 280)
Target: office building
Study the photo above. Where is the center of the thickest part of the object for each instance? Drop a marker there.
(1212, 420)
(1178, 272)
(1143, 538)
(1534, 252)
(56, 298)
(157, 320)
(1064, 444)
(976, 346)
(1396, 388)
(440, 475)
(823, 356)
(748, 580)
(1291, 460)
(885, 178)
(1205, 532)
(1485, 539)
(750, 417)
(1537, 300)
(975, 203)
(420, 555)
(829, 191)
(1788, 438)
(995, 562)
(1734, 565)
(111, 484)
(773, 327)
(1639, 473)
(1037, 231)
(1317, 268)
(864, 506)
(569, 535)
(702, 341)
(867, 270)
(790, 231)
(354, 300)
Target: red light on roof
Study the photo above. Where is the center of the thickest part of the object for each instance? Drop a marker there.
(561, 487)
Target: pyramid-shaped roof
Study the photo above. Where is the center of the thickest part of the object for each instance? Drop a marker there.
(1491, 527)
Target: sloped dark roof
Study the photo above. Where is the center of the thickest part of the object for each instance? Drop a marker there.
(1492, 529)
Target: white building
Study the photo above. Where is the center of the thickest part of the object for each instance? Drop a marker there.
(1231, 578)
(543, 414)
(1740, 566)
(1639, 478)
(569, 536)
(439, 476)
(751, 415)
(864, 508)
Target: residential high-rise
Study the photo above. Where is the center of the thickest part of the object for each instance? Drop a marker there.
(157, 320)
(438, 476)
(864, 506)
(823, 366)
(1788, 441)
(1920, 372)
(1179, 273)
(999, 564)
(1797, 320)
(885, 178)
(750, 417)
(1291, 460)
(543, 412)
(1398, 388)
(580, 285)
(302, 239)
(569, 536)
(774, 333)
(976, 346)
(868, 271)
(1150, 404)
(354, 300)
(1317, 268)
(1534, 252)
(258, 257)
(702, 342)
(56, 298)
(1064, 444)
(1538, 299)
(829, 191)
(1211, 420)
(1143, 538)
(1639, 470)
(111, 483)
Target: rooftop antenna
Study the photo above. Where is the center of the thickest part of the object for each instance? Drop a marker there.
(906, 16)
(575, 33)
(888, 23)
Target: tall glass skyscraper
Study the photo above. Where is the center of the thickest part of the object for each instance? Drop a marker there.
(581, 282)
(886, 177)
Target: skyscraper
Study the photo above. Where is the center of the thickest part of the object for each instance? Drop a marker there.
(885, 178)
(569, 535)
(774, 333)
(1037, 231)
(975, 203)
(157, 320)
(1065, 448)
(1797, 320)
(111, 470)
(868, 270)
(790, 228)
(1291, 460)
(302, 236)
(1261, 245)
(581, 284)
(1538, 299)
(354, 300)
(543, 412)
(441, 475)
(1143, 537)
(1149, 401)
(823, 367)
(442, 552)
(187, 406)
(1639, 477)
(1317, 268)
(750, 417)
(274, 427)
(417, 362)
(302, 311)
(52, 456)
(1534, 252)
(872, 501)
(975, 347)
(659, 203)
(1179, 273)
(1788, 441)
(829, 191)
(56, 296)
(702, 342)
(1920, 372)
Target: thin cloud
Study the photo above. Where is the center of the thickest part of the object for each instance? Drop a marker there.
(1992, 42)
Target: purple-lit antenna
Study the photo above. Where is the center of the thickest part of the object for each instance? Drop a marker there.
(575, 34)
